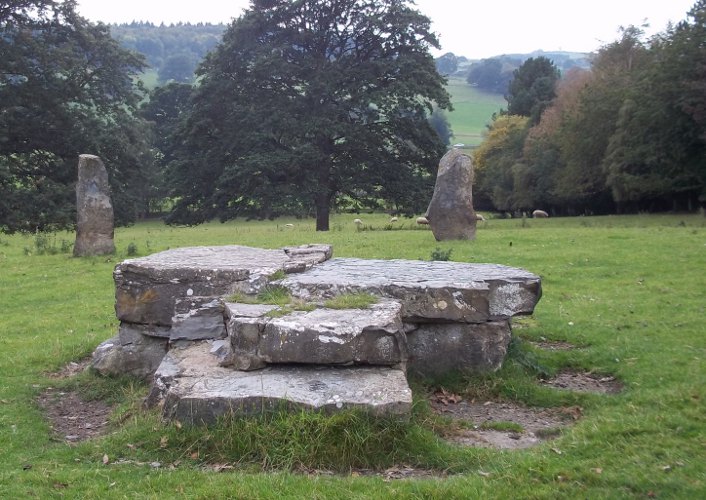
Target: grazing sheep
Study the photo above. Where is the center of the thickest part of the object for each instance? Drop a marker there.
(480, 217)
(540, 214)
(289, 225)
(357, 222)
(422, 220)
(393, 219)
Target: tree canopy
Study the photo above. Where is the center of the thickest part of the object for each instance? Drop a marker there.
(65, 89)
(628, 135)
(308, 100)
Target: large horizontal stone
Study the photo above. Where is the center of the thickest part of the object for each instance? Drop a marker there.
(146, 288)
(429, 291)
(373, 336)
(193, 389)
(438, 349)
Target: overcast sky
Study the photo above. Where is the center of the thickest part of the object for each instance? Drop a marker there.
(474, 29)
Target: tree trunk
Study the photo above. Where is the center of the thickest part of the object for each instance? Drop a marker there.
(323, 210)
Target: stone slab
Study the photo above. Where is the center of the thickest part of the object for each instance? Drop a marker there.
(198, 318)
(139, 358)
(373, 336)
(193, 389)
(429, 291)
(146, 288)
(438, 349)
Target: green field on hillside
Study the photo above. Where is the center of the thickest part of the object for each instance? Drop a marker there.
(472, 113)
(628, 292)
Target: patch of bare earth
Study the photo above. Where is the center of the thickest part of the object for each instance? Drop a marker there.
(553, 345)
(585, 382)
(71, 417)
(484, 422)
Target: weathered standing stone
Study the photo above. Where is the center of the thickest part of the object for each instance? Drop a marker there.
(373, 336)
(450, 213)
(428, 291)
(95, 223)
(437, 349)
(193, 389)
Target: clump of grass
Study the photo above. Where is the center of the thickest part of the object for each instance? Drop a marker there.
(132, 249)
(278, 275)
(45, 244)
(273, 294)
(442, 255)
(357, 300)
(501, 426)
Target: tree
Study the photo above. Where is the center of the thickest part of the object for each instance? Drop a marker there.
(532, 88)
(65, 89)
(490, 75)
(497, 159)
(307, 100)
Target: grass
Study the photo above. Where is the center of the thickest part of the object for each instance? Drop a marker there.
(472, 112)
(359, 300)
(629, 290)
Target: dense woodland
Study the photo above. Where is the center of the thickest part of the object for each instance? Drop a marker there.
(343, 118)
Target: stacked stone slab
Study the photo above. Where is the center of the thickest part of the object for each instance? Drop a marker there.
(209, 356)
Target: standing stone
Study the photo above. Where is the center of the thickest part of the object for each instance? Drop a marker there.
(450, 213)
(94, 232)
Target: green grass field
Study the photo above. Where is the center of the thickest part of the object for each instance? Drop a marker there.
(631, 291)
(472, 113)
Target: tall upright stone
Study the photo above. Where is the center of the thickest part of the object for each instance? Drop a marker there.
(95, 220)
(450, 213)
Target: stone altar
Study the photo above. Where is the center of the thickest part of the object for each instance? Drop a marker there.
(209, 356)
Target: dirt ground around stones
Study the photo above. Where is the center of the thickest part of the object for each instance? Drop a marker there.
(481, 423)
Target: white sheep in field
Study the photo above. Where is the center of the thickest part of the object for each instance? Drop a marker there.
(540, 214)
(357, 222)
(422, 220)
(393, 219)
(289, 225)
(479, 217)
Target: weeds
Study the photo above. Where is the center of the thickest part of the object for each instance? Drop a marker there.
(358, 300)
(441, 255)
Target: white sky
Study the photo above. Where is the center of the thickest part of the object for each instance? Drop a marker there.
(474, 29)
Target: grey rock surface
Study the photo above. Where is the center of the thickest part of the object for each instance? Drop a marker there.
(147, 288)
(450, 213)
(139, 358)
(198, 318)
(428, 291)
(437, 349)
(193, 389)
(94, 209)
(373, 336)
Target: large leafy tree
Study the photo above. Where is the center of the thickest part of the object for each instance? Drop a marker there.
(307, 100)
(65, 89)
(532, 88)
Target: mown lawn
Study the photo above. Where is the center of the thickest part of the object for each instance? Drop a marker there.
(630, 291)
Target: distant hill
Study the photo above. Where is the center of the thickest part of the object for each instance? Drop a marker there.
(493, 74)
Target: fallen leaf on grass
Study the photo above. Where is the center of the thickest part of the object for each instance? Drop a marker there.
(557, 451)
(106, 460)
(597, 470)
(163, 442)
(484, 474)
(445, 397)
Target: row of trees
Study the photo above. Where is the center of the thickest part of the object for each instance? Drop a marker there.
(66, 88)
(174, 51)
(630, 134)
(302, 104)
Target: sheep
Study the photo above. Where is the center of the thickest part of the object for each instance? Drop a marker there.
(393, 219)
(540, 214)
(357, 222)
(479, 217)
(289, 225)
(422, 220)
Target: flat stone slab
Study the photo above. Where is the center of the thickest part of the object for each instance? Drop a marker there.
(429, 291)
(147, 288)
(193, 389)
(372, 336)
